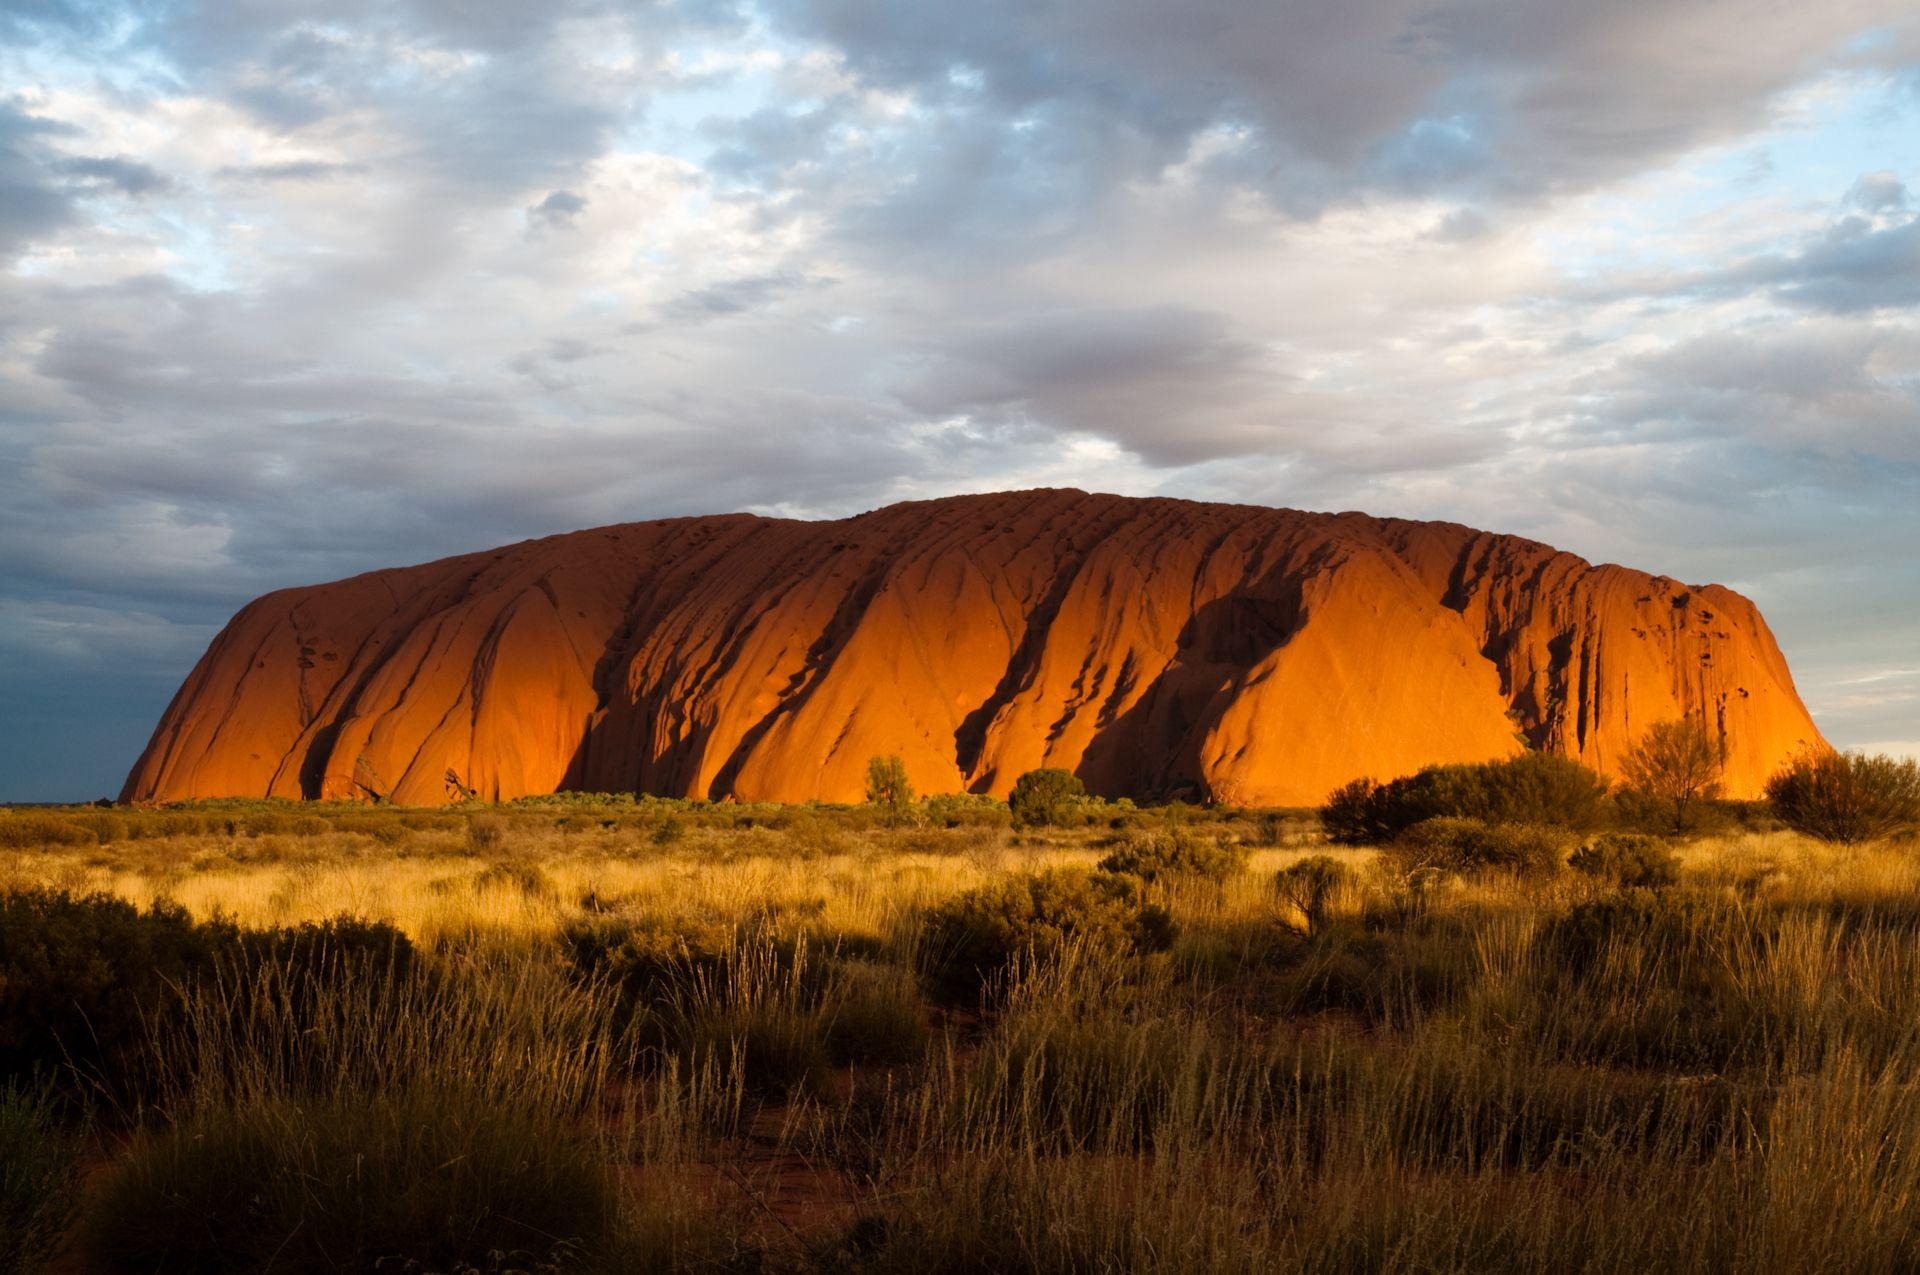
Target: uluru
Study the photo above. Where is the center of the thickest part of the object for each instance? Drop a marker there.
(1159, 648)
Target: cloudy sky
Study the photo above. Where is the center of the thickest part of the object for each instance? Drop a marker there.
(292, 291)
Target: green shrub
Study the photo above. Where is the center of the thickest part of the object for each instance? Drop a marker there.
(20, 831)
(1472, 847)
(1358, 813)
(974, 937)
(1174, 853)
(647, 949)
(1847, 797)
(413, 1179)
(1309, 887)
(269, 823)
(1629, 860)
(1046, 798)
(888, 789)
(775, 1046)
(966, 810)
(38, 1171)
(1539, 789)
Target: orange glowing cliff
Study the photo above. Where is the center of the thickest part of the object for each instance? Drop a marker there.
(1158, 648)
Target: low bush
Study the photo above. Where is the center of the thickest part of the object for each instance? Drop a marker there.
(523, 878)
(1048, 798)
(1175, 853)
(1847, 797)
(647, 960)
(965, 810)
(30, 831)
(1472, 847)
(486, 834)
(1630, 860)
(38, 1171)
(971, 939)
(1309, 887)
(1538, 789)
(1642, 812)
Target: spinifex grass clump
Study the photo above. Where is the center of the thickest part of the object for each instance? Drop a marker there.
(39, 1179)
(377, 1120)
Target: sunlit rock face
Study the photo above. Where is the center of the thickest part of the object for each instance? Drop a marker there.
(1159, 648)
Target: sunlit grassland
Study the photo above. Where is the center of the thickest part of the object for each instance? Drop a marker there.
(701, 1038)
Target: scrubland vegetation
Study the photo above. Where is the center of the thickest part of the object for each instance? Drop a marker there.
(1486, 1018)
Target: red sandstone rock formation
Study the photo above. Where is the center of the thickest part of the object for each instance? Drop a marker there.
(1157, 647)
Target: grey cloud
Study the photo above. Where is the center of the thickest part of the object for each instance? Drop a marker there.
(1806, 390)
(1868, 259)
(1172, 385)
(1462, 225)
(31, 202)
(128, 176)
(558, 209)
(298, 170)
(1878, 192)
(1855, 266)
(769, 141)
(1508, 100)
(735, 296)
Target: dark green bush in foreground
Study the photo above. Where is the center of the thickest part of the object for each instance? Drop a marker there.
(78, 973)
(972, 938)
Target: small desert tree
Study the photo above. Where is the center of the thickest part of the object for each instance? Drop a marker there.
(1309, 887)
(1846, 797)
(1675, 765)
(888, 788)
(1045, 798)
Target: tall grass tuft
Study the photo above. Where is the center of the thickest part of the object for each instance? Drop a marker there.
(375, 1116)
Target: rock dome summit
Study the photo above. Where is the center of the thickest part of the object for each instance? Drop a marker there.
(1159, 648)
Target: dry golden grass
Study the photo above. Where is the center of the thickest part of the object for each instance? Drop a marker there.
(1474, 1075)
